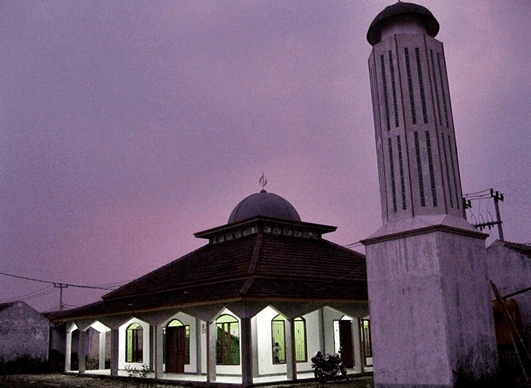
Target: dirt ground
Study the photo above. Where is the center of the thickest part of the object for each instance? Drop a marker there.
(58, 380)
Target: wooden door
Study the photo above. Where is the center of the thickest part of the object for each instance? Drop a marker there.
(345, 341)
(175, 349)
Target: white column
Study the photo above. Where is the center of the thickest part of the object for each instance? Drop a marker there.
(291, 363)
(198, 347)
(101, 354)
(212, 335)
(356, 340)
(82, 352)
(115, 351)
(254, 327)
(159, 347)
(322, 346)
(68, 352)
(247, 352)
(151, 347)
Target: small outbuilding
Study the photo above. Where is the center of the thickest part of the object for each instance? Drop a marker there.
(509, 267)
(24, 332)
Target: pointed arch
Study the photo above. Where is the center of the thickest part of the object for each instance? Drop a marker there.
(176, 346)
(228, 343)
(278, 335)
(134, 343)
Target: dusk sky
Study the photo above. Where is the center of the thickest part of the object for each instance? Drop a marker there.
(126, 126)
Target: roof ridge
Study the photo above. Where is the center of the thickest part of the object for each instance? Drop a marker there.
(246, 286)
(256, 254)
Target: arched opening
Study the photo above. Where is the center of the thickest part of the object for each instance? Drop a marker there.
(366, 340)
(134, 343)
(228, 343)
(176, 346)
(343, 340)
(278, 331)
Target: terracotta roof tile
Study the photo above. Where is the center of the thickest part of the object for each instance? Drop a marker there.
(259, 266)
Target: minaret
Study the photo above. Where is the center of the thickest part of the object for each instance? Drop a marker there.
(430, 305)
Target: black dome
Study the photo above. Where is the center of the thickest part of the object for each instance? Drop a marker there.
(266, 205)
(401, 9)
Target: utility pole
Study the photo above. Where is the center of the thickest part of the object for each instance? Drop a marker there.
(60, 286)
(498, 197)
(467, 204)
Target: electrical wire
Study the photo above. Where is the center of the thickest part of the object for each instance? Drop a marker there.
(32, 295)
(56, 283)
(478, 192)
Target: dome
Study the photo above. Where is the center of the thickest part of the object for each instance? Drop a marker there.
(266, 205)
(401, 9)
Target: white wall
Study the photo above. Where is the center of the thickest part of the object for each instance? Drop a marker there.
(265, 343)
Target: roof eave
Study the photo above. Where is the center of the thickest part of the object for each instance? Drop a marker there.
(323, 229)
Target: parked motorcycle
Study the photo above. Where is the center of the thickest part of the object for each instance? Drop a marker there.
(327, 368)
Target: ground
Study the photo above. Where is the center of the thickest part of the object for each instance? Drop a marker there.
(58, 380)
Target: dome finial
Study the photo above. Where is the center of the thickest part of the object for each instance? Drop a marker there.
(263, 183)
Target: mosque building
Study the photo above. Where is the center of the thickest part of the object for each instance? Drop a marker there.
(216, 314)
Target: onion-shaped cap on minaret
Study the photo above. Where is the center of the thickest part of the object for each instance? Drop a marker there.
(264, 204)
(402, 11)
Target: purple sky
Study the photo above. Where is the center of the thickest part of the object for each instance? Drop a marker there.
(127, 126)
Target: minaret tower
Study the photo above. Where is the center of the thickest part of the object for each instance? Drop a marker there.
(430, 307)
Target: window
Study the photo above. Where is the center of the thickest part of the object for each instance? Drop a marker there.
(228, 343)
(278, 329)
(134, 345)
(300, 340)
(366, 334)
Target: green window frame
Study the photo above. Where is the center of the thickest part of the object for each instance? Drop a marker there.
(366, 334)
(278, 334)
(134, 343)
(278, 329)
(228, 341)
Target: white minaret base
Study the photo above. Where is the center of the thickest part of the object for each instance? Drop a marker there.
(430, 304)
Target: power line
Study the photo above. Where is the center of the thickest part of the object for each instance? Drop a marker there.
(56, 284)
(32, 295)
(490, 222)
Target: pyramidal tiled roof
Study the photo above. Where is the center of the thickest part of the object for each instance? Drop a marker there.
(260, 266)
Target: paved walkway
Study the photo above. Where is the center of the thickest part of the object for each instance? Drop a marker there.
(58, 380)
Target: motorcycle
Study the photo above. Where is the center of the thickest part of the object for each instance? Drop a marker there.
(327, 368)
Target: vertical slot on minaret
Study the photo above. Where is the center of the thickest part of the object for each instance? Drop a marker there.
(410, 86)
(421, 85)
(392, 171)
(450, 195)
(443, 92)
(432, 171)
(419, 169)
(453, 171)
(401, 167)
(393, 87)
(436, 87)
(386, 100)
